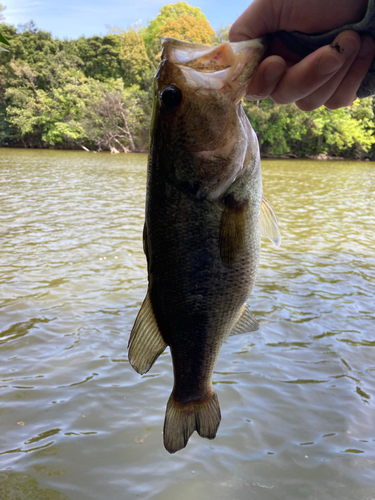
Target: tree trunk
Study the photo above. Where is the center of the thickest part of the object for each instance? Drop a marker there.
(132, 145)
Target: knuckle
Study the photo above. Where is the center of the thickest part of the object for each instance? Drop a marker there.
(307, 105)
(337, 102)
(278, 98)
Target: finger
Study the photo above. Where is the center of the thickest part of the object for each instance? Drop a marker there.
(346, 93)
(269, 16)
(266, 78)
(326, 91)
(316, 69)
(259, 18)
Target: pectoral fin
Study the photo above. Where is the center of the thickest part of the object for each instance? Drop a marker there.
(232, 230)
(146, 342)
(269, 227)
(245, 323)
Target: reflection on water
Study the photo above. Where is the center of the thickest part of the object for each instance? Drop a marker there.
(296, 396)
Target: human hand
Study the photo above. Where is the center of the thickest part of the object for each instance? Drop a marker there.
(331, 75)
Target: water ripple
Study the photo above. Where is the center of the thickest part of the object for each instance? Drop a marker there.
(296, 395)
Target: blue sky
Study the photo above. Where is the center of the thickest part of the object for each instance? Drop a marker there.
(71, 18)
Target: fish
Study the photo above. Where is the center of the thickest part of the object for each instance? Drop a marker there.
(205, 214)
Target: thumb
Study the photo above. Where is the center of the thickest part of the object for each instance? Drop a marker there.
(260, 18)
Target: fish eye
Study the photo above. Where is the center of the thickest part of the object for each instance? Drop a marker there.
(171, 97)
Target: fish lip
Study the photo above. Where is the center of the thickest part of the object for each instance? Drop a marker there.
(185, 53)
(227, 67)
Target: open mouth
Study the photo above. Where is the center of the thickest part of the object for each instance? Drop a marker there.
(227, 67)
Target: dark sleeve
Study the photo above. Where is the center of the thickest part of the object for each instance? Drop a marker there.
(304, 44)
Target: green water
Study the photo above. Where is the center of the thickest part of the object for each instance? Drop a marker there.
(297, 396)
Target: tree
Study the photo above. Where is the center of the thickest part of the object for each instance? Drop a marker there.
(134, 60)
(118, 119)
(100, 56)
(39, 50)
(5, 41)
(46, 99)
(2, 38)
(221, 35)
(2, 8)
(46, 115)
(286, 129)
(169, 12)
(189, 29)
(341, 131)
(96, 93)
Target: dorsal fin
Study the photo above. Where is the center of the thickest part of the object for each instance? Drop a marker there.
(269, 227)
(245, 323)
(146, 342)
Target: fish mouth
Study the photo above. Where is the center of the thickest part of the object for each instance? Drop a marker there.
(227, 67)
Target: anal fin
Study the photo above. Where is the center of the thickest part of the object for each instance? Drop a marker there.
(146, 342)
(245, 323)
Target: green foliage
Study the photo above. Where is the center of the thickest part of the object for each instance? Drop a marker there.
(100, 56)
(37, 114)
(3, 40)
(5, 127)
(286, 129)
(339, 130)
(96, 92)
(134, 60)
(2, 37)
(169, 12)
(189, 29)
(221, 35)
(117, 118)
(2, 8)
(52, 91)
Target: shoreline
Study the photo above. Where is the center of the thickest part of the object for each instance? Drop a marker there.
(265, 156)
(319, 157)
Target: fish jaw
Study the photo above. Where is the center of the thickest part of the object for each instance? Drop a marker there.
(228, 67)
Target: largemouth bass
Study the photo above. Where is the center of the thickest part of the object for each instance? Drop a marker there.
(204, 218)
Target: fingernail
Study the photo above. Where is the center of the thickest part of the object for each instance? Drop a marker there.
(348, 45)
(329, 63)
(367, 47)
(273, 72)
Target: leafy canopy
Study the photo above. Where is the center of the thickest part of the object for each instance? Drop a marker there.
(345, 132)
(134, 59)
(2, 8)
(2, 37)
(169, 12)
(189, 29)
(97, 93)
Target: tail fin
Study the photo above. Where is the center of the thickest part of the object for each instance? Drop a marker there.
(182, 419)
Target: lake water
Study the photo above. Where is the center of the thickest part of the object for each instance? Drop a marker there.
(297, 396)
